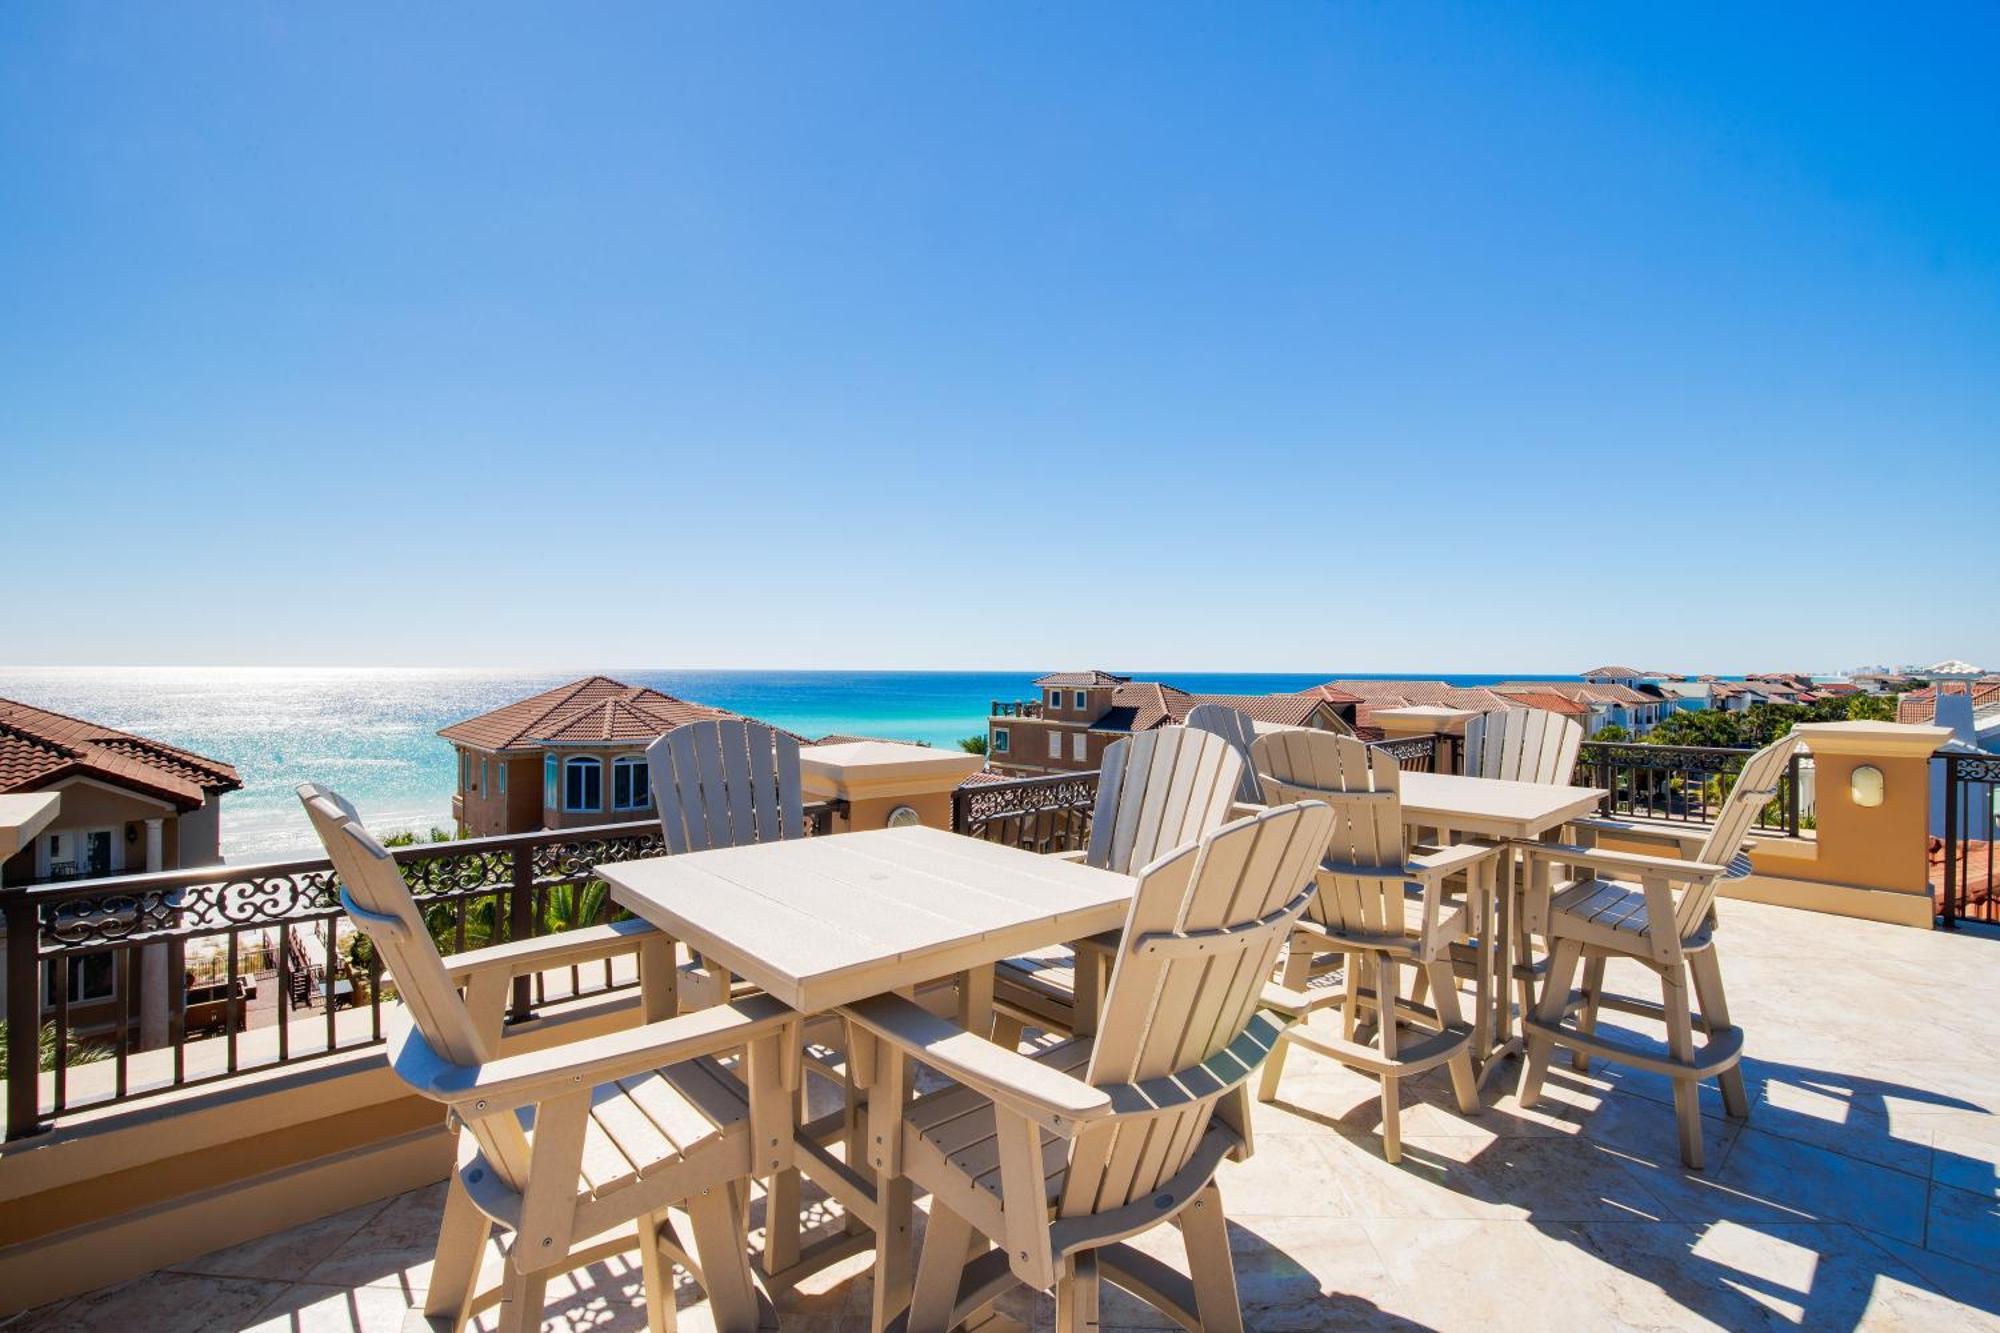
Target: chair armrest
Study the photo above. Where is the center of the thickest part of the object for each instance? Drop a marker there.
(1047, 1096)
(563, 949)
(521, 1080)
(1245, 809)
(1635, 863)
(1076, 856)
(1450, 860)
(1686, 838)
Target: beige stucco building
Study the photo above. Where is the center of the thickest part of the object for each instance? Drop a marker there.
(1080, 714)
(126, 804)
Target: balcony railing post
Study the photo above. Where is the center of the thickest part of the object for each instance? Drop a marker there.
(24, 1015)
(1949, 915)
(520, 925)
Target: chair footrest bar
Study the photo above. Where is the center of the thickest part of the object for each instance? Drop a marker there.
(1721, 1052)
(1414, 1054)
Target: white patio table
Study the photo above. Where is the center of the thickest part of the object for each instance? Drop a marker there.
(1494, 810)
(822, 922)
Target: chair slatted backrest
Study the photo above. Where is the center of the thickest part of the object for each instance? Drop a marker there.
(726, 783)
(1205, 928)
(1522, 745)
(1757, 785)
(379, 904)
(1158, 790)
(1362, 877)
(1236, 727)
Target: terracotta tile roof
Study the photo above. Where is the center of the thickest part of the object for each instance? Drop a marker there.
(1604, 694)
(1332, 695)
(1920, 706)
(1085, 679)
(38, 747)
(1374, 694)
(1549, 701)
(1614, 671)
(1143, 705)
(1285, 710)
(596, 708)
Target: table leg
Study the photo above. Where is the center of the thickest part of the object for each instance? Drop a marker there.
(975, 1000)
(775, 1080)
(1504, 943)
(1486, 925)
(888, 1093)
(659, 977)
(1498, 1041)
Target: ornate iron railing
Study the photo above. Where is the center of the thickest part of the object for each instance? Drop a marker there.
(1962, 869)
(1687, 783)
(1050, 814)
(1422, 754)
(112, 970)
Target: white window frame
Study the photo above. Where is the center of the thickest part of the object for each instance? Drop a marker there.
(624, 764)
(1082, 700)
(1080, 747)
(1000, 740)
(574, 763)
(1055, 700)
(48, 851)
(1055, 743)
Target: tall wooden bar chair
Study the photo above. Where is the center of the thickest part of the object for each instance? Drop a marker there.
(731, 782)
(1156, 790)
(1521, 745)
(1378, 910)
(1659, 912)
(1061, 1156)
(565, 1143)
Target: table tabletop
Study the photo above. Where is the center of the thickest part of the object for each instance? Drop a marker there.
(824, 921)
(1492, 807)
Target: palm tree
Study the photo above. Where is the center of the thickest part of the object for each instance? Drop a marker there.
(574, 906)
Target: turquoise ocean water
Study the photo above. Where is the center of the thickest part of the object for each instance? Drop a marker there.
(372, 734)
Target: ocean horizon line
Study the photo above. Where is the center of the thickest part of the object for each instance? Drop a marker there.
(371, 732)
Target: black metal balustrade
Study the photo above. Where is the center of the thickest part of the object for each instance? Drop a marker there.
(1017, 708)
(1423, 754)
(1684, 783)
(1050, 814)
(86, 957)
(1053, 813)
(1961, 862)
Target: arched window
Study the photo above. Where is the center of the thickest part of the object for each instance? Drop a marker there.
(583, 785)
(630, 785)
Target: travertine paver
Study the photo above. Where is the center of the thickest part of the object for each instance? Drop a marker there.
(1865, 1191)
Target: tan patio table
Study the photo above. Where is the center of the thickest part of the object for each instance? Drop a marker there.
(1491, 809)
(826, 921)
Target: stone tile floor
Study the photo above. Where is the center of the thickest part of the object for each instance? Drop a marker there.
(1863, 1192)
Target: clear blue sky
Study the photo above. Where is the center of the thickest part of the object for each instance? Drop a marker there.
(1285, 337)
